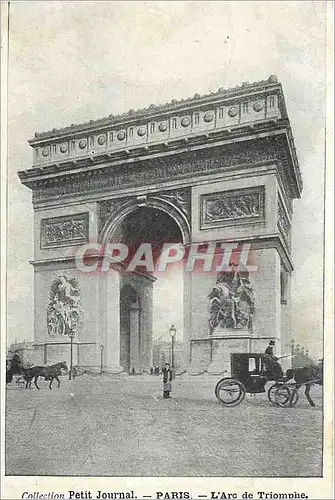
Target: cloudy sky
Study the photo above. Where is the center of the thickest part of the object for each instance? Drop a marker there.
(73, 62)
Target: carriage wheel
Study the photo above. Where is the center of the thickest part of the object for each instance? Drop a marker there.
(272, 393)
(230, 392)
(286, 396)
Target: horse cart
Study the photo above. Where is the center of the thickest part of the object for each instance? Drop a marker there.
(249, 375)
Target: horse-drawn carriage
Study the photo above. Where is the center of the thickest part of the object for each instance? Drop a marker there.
(250, 373)
(27, 373)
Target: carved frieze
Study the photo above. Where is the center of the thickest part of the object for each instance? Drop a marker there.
(283, 222)
(64, 312)
(65, 231)
(158, 170)
(232, 207)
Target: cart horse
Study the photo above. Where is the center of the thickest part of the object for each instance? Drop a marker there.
(30, 373)
(250, 373)
(49, 373)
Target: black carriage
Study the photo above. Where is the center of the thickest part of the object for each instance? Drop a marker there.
(249, 374)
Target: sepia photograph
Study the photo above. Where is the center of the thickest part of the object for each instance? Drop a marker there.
(165, 246)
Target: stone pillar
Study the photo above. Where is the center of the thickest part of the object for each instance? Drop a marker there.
(267, 318)
(187, 318)
(286, 324)
(146, 320)
(135, 340)
(197, 288)
(110, 312)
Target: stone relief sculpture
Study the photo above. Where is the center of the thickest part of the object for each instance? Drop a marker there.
(283, 222)
(232, 303)
(107, 208)
(179, 198)
(228, 206)
(64, 313)
(64, 230)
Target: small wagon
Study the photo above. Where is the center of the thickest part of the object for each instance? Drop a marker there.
(249, 374)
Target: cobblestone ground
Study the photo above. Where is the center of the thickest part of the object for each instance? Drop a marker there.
(121, 426)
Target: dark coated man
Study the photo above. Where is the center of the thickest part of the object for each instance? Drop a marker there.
(270, 347)
(167, 381)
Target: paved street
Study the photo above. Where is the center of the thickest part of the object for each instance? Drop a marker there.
(121, 426)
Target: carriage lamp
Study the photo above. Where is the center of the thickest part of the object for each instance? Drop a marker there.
(172, 333)
(71, 335)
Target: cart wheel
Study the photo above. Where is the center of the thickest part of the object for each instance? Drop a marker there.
(286, 396)
(272, 393)
(230, 392)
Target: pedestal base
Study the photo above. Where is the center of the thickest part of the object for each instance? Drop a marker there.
(233, 333)
(224, 343)
(200, 356)
(196, 369)
(115, 369)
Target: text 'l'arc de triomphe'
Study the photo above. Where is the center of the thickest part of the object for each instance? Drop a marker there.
(218, 167)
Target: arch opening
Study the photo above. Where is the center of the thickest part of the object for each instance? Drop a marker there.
(112, 230)
(145, 306)
(150, 226)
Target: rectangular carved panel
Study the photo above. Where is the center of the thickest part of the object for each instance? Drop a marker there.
(229, 208)
(283, 221)
(65, 231)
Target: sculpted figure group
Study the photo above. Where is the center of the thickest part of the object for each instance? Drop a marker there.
(64, 309)
(232, 303)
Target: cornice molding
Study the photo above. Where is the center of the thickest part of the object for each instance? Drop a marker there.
(109, 176)
(200, 142)
(243, 90)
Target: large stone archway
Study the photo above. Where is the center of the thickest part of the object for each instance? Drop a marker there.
(134, 224)
(223, 166)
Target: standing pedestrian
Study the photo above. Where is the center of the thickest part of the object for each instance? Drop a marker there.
(167, 379)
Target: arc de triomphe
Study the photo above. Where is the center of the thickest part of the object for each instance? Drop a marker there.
(219, 167)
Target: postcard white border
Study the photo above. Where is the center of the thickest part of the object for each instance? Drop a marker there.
(12, 487)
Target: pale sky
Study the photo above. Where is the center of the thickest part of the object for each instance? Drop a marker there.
(72, 62)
